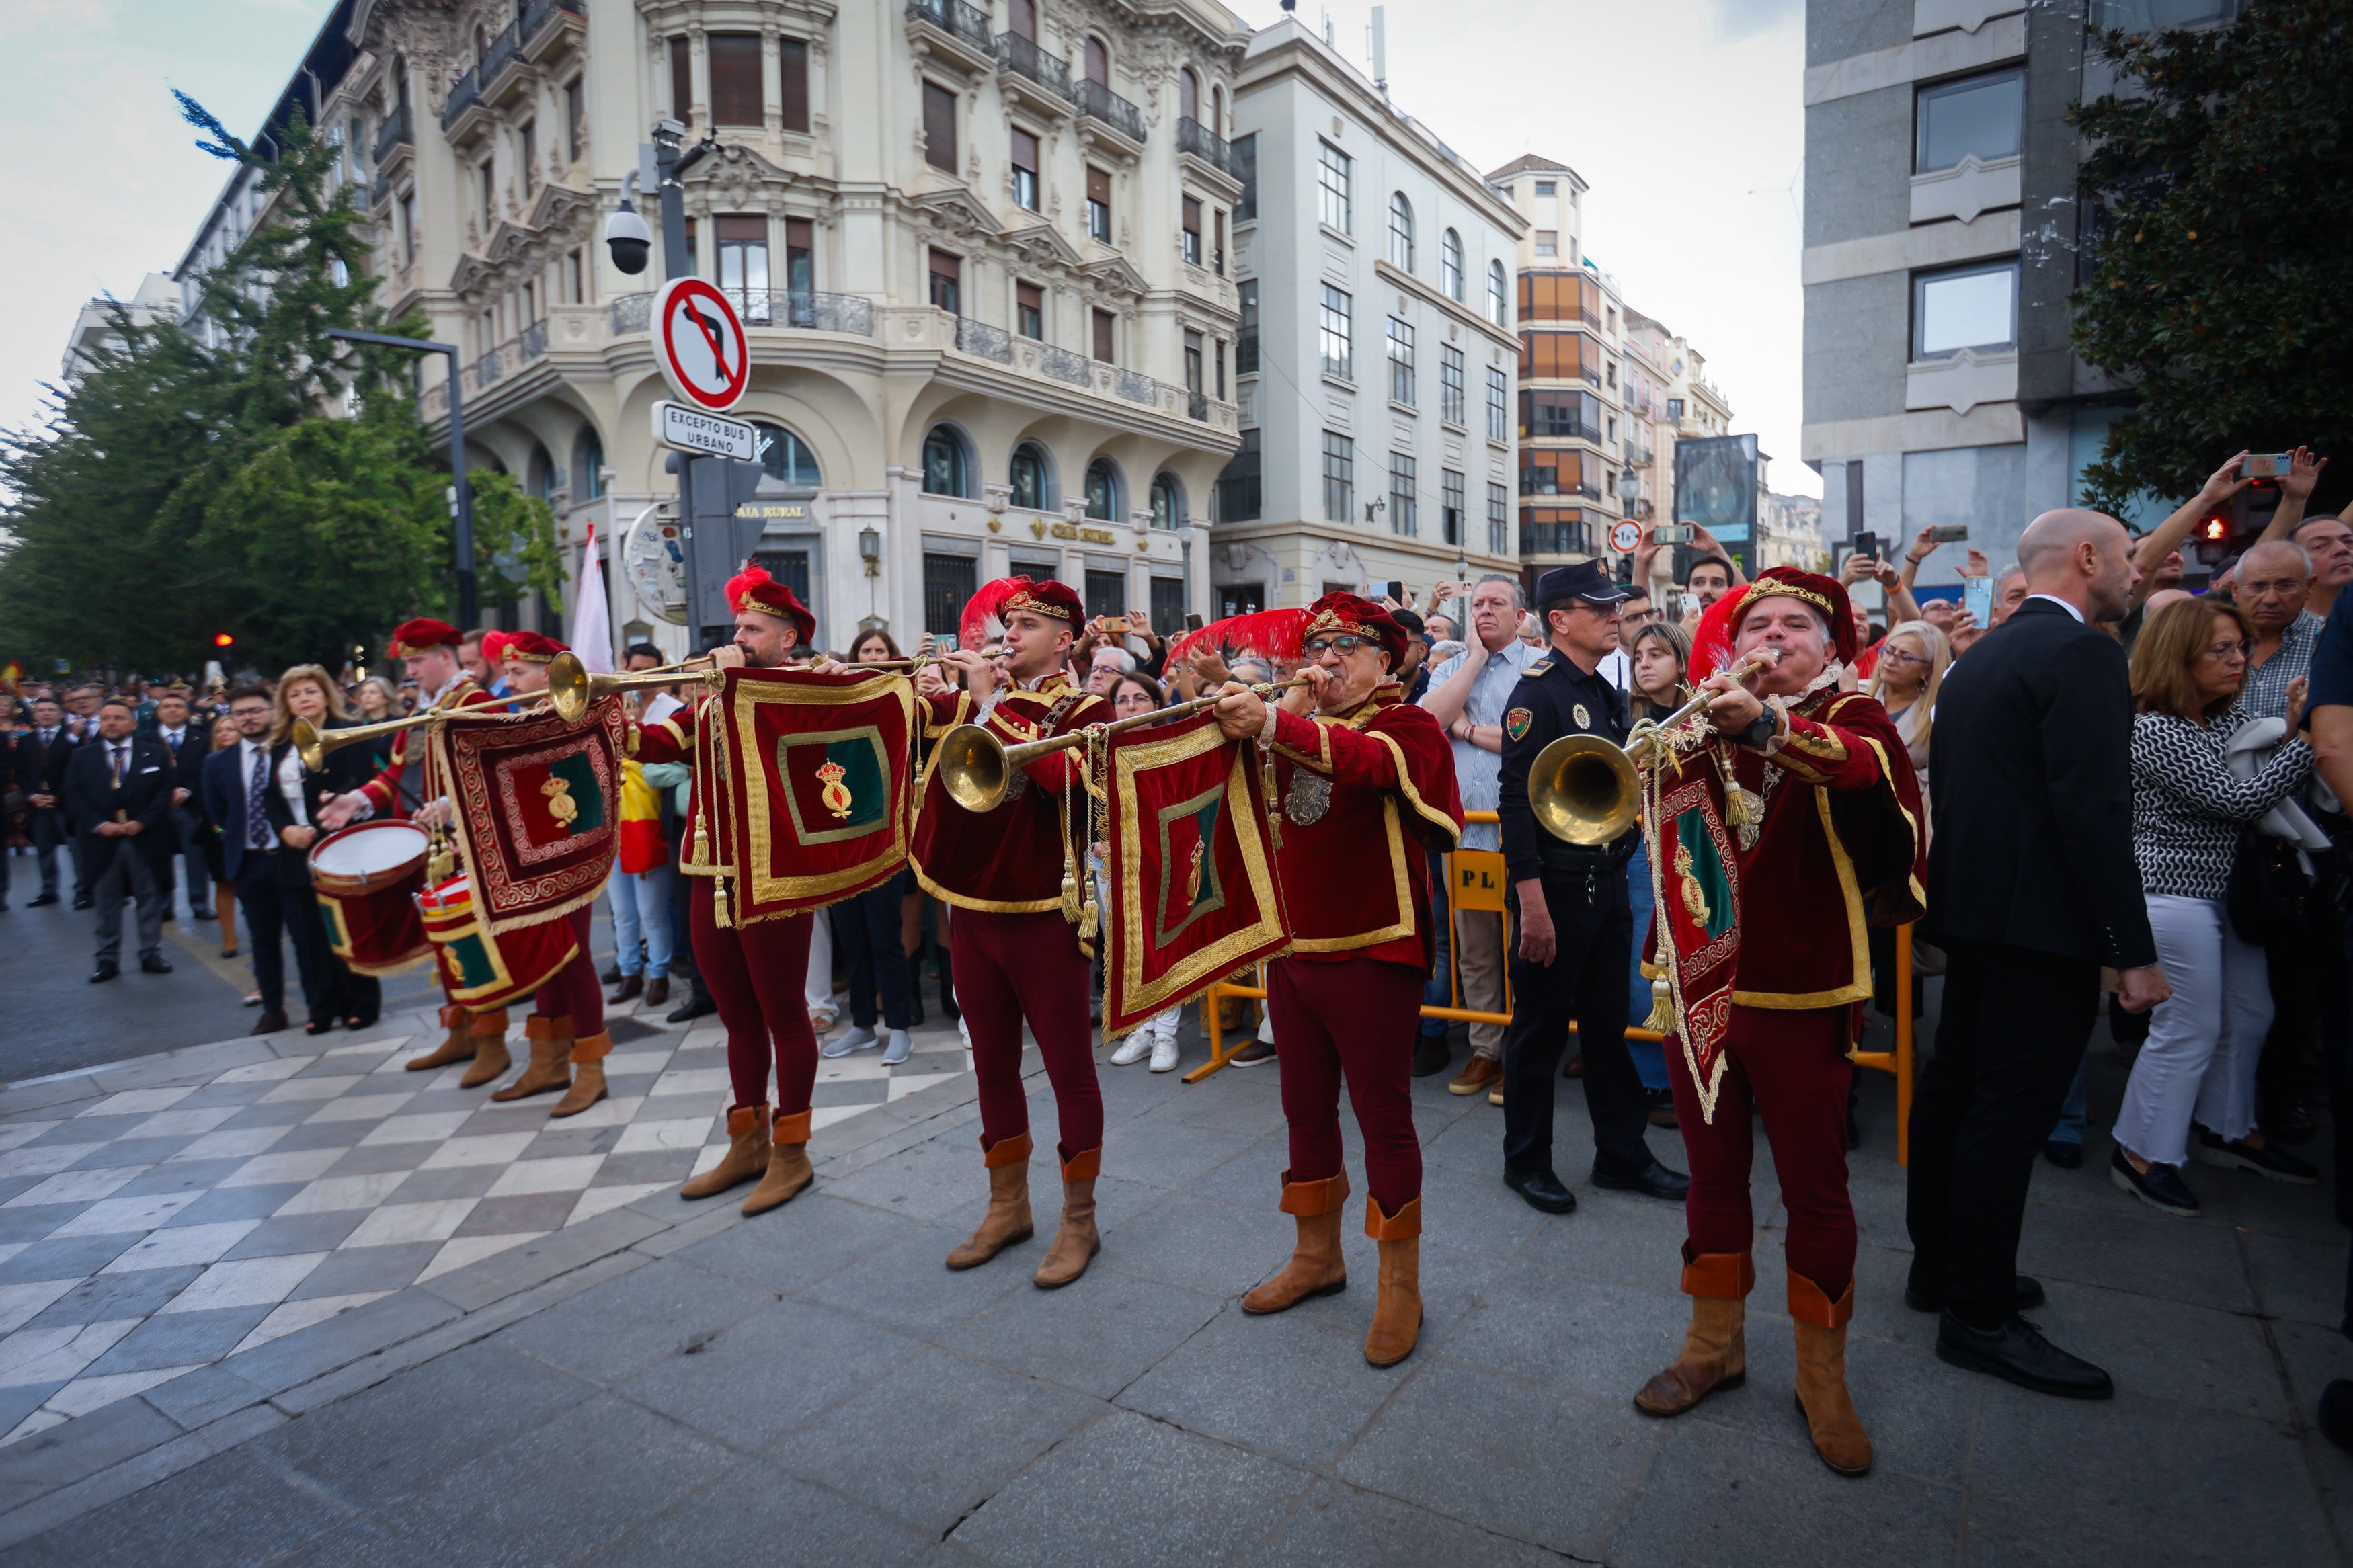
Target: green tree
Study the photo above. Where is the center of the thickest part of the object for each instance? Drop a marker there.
(2224, 279)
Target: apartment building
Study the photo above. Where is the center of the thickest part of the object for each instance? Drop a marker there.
(96, 328)
(981, 254)
(1377, 352)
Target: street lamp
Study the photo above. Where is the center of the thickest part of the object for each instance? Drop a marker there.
(870, 550)
(462, 492)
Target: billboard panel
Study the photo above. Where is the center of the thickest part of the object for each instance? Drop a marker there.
(1716, 481)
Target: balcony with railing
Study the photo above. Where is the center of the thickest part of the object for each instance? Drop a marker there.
(1554, 539)
(1547, 482)
(967, 25)
(397, 131)
(1639, 455)
(513, 39)
(799, 311)
(999, 346)
(1024, 58)
(1206, 144)
(982, 341)
(494, 367)
(1097, 101)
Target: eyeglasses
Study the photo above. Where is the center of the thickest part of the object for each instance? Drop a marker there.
(2221, 651)
(1316, 647)
(1897, 656)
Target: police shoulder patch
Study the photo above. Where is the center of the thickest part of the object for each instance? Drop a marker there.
(1517, 723)
(1538, 668)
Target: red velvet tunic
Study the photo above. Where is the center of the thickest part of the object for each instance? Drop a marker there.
(382, 791)
(679, 736)
(1009, 860)
(1355, 880)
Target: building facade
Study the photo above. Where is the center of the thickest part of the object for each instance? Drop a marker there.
(95, 330)
(981, 256)
(1376, 379)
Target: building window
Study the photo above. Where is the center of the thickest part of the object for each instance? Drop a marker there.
(576, 121)
(744, 265)
(1167, 510)
(1021, 17)
(948, 583)
(1962, 308)
(1167, 605)
(682, 78)
(1188, 95)
(1218, 251)
(1332, 203)
(1401, 232)
(1499, 520)
(1103, 344)
(792, 79)
(1980, 115)
(1029, 477)
(1192, 367)
(787, 459)
(1246, 342)
(1450, 384)
(1559, 356)
(1547, 242)
(1675, 409)
(1103, 491)
(1244, 155)
(489, 200)
(1237, 497)
(1560, 414)
(1498, 389)
(408, 226)
(1339, 478)
(945, 268)
(1220, 352)
(1403, 518)
(1499, 303)
(1025, 169)
(1553, 531)
(589, 464)
(800, 259)
(1450, 266)
(1339, 357)
(736, 98)
(574, 285)
(1098, 206)
(1098, 63)
(1029, 311)
(1190, 243)
(1450, 487)
(945, 471)
(1400, 362)
(939, 128)
(1106, 593)
(1545, 187)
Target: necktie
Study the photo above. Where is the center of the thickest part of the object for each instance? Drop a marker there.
(117, 751)
(257, 826)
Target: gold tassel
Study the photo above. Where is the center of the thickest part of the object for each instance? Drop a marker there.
(1663, 1008)
(1089, 921)
(722, 916)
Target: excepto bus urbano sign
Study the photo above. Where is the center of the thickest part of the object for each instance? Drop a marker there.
(685, 429)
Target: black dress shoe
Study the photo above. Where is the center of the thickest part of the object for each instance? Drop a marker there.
(1431, 1055)
(1921, 1296)
(696, 1007)
(39, 900)
(2067, 1156)
(270, 1022)
(84, 901)
(1653, 1181)
(2016, 1352)
(1542, 1191)
(2336, 1413)
(106, 969)
(1575, 1066)
(154, 963)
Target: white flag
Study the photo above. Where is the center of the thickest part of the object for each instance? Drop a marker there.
(592, 620)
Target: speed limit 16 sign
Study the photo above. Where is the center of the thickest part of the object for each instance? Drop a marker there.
(1624, 536)
(699, 344)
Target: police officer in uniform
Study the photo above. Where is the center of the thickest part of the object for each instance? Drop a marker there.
(1574, 925)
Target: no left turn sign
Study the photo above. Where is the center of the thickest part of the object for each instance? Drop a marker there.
(699, 344)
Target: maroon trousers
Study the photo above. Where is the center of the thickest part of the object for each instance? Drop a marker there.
(1355, 1019)
(758, 975)
(1793, 1066)
(575, 992)
(1009, 968)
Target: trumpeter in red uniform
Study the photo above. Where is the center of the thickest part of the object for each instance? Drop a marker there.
(755, 972)
(427, 650)
(1365, 779)
(1016, 953)
(1839, 845)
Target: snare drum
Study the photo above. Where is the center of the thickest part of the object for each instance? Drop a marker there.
(481, 970)
(366, 877)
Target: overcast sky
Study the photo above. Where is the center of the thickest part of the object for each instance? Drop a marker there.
(1682, 115)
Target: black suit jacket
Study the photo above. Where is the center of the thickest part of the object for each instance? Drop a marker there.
(41, 770)
(2031, 759)
(223, 800)
(145, 796)
(195, 743)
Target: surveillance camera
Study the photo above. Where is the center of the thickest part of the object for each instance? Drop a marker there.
(629, 239)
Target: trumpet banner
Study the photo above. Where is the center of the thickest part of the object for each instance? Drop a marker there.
(538, 811)
(816, 786)
(1695, 930)
(1192, 890)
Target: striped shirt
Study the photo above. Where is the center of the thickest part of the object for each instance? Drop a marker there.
(2188, 807)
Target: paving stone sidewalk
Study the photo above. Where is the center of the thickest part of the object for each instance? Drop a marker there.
(667, 1384)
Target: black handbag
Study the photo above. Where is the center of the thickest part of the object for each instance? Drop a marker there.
(2267, 890)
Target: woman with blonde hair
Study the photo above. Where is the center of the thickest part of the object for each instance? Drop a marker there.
(308, 693)
(1913, 659)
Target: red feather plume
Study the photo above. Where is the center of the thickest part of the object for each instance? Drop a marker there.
(753, 575)
(1712, 643)
(1266, 634)
(987, 605)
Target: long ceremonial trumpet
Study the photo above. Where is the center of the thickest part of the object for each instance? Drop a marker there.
(1585, 790)
(977, 767)
(570, 687)
(313, 746)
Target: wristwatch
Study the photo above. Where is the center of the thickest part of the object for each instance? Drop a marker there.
(1761, 732)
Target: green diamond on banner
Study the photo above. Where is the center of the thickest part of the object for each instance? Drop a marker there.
(588, 802)
(862, 776)
(1707, 870)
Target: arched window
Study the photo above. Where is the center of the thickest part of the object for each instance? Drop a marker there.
(588, 464)
(1188, 95)
(1449, 265)
(1218, 110)
(1401, 232)
(1103, 491)
(787, 458)
(946, 471)
(1098, 63)
(540, 476)
(1032, 478)
(1498, 304)
(1167, 505)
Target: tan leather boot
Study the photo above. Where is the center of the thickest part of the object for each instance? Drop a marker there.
(588, 1074)
(1076, 1241)
(489, 1032)
(788, 1165)
(1716, 1351)
(1007, 1219)
(1837, 1430)
(551, 1045)
(1316, 1268)
(1396, 1310)
(456, 1045)
(746, 1156)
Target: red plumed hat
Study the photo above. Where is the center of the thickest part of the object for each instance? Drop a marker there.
(1353, 615)
(753, 589)
(1718, 628)
(420, 634)
(531, 648)
(1264, 634)
(993, 600)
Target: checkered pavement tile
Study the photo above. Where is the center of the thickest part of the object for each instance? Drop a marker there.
(156, 1231)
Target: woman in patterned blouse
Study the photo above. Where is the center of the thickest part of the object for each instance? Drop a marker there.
(2189, 811)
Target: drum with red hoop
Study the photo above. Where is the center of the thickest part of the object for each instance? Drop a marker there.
(482, 969)
(367, 877)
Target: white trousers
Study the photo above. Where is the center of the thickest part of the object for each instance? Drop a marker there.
(2203, 1042)
(819, 988)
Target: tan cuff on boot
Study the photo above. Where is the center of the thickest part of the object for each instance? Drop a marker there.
(743, 1118)
(793, 1129)
(1808, 1304)
(1084, 1166)
(1720, 1276)
(1308, 1199)
(540, 1026)
(1399, 1226)
(1013, 1151)
(494, 1021)
(592, 1047)
(453, 1016)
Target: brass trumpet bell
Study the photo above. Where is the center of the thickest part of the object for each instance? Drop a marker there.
(976, 768)
(1583, 790)
(312, 746)
(571, 689)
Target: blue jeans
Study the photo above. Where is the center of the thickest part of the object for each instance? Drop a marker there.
(1438, 991)
(2072, 1115)
(641, 907)
(1650, 1056)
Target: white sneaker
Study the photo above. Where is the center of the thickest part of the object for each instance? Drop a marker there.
(899, 1049)
(1164, 1054)
(1131, 1049)
(965, 1030)
(857, 1040)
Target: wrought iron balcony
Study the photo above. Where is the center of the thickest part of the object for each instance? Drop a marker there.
(398, 131)
(956, 19)
(982, 341)
(1206, 144)
(1554, 539)
(494, 367)
(1197, 405)
(1063, 365)
(801, 311)
(1023, 58)
(539, 12)
(1100, 103)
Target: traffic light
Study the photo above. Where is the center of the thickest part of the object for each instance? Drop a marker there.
(222, 640)
(2216, 530)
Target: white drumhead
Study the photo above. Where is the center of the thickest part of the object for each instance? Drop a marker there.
(384, 848)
